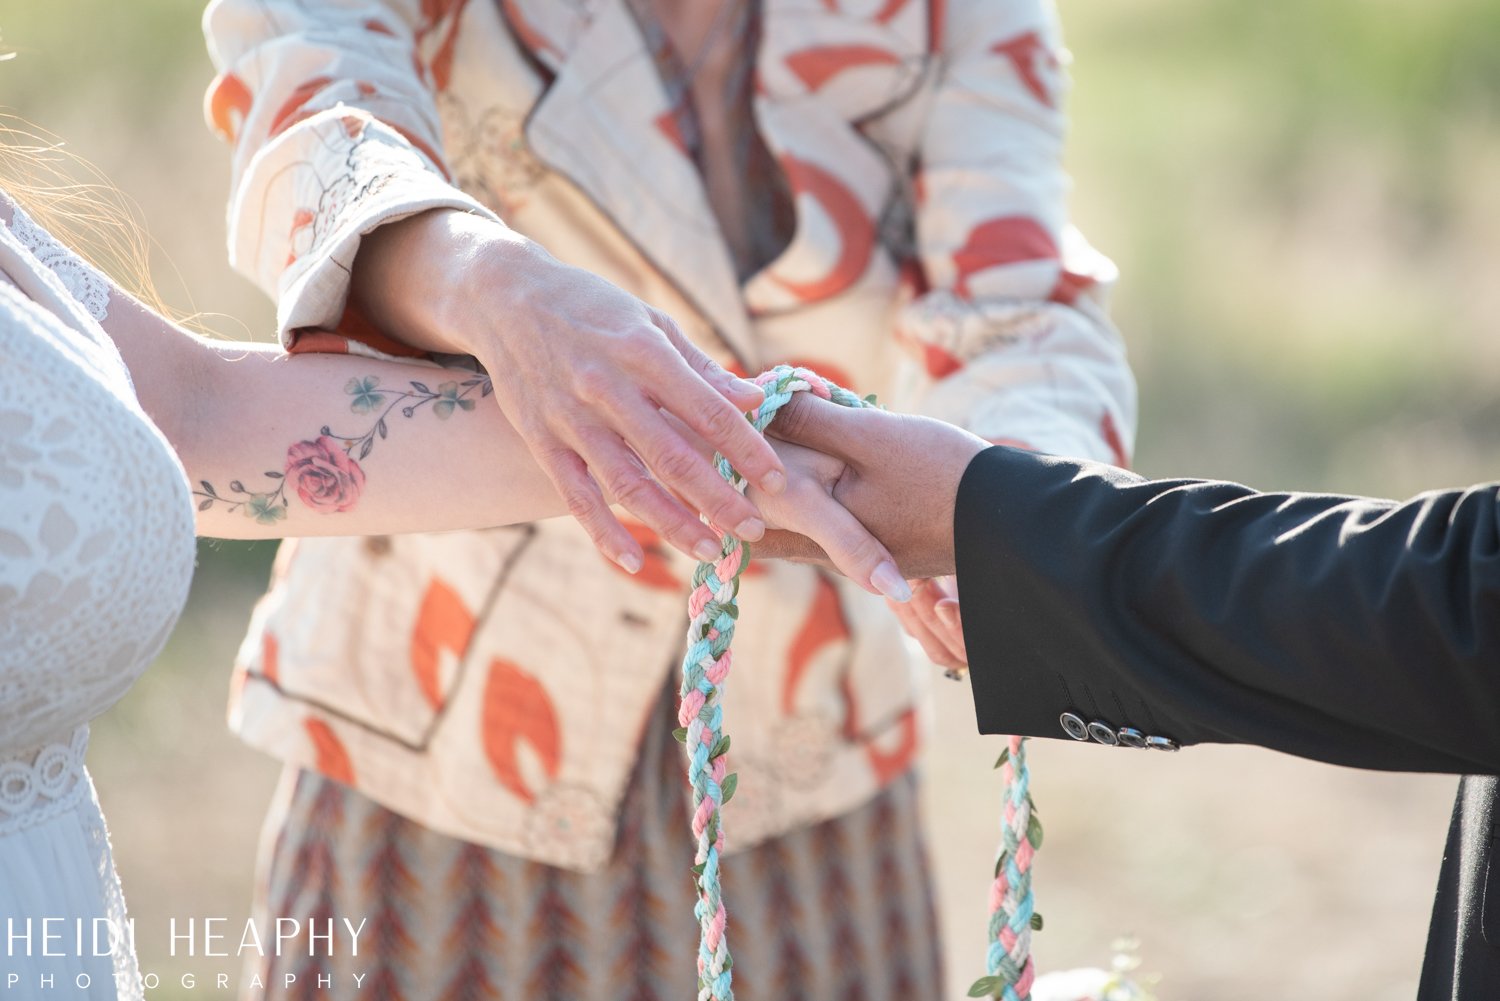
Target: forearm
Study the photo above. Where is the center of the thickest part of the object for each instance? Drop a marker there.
(339, 445)
(414, 278)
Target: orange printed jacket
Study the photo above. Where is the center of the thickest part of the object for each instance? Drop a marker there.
(494, 685)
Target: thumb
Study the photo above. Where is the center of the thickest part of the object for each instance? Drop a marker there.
(825, 427)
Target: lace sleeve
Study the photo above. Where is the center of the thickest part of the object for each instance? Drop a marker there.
(83, 281)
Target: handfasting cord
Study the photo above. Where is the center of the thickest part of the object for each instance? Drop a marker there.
(1012, 906)
(713, 608)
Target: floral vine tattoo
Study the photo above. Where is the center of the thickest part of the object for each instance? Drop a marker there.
(325, 471)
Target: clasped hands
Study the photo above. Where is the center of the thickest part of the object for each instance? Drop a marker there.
(618, 407)
(867, 486)
(870, 494)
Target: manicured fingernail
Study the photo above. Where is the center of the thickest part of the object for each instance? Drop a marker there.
(745, 386)
(707, 551)
(888, 581)
(773, 482)
(630, 562)
(750, 529)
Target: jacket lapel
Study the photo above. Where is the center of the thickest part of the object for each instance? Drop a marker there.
(604, 123)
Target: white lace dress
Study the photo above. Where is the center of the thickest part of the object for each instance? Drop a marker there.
(96, 551)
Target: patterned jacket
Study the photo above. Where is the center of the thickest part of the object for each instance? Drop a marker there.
(493, 685)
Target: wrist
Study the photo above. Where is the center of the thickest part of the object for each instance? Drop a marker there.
(417, 277)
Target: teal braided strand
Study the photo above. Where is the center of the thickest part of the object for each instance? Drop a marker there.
(713, 607)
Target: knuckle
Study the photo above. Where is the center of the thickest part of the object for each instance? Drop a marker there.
(805, 490)
(642, 341)
(628, 486)
(864, 553)
(664, 321)
(731, 511)
(677, 466)
(580, 502)
(594, 383)
(791, 420)
(721, 422)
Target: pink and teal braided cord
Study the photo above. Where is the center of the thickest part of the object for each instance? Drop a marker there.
(714, 611)
(1012, 906)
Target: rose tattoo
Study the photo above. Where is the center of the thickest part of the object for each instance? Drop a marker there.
(324, 472)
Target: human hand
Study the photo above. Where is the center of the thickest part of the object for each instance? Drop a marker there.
(896, 474)
(584, 371)
(932, 619)
(807, 514)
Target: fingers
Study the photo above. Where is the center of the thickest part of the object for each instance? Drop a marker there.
(854, 552)
(629, 485)
(780, 545)
(586, 503)
(948, 613)
(743, 393)
(691, 475)
(928, 595)
(692, 396)
(917, 628)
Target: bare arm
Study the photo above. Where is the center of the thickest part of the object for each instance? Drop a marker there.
(334, 444)
(340, 445)
(277, 445)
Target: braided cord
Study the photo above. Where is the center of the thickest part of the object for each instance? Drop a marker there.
(1012, 906)
(714, 609)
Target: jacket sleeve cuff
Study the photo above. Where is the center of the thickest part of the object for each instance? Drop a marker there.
(316, 191)
(1033, 658)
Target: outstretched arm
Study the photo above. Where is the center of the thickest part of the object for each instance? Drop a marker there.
(1356, 631)
(340, 444)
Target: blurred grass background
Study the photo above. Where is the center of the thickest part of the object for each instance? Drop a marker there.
(1301, 198)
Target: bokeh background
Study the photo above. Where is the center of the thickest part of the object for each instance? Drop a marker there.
(1304, 199)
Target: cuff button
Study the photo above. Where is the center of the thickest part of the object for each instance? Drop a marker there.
(1131, 737)
(1103, 733)
(1163, 744)
(1074, 726)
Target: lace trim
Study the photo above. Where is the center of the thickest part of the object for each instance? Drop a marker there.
(82, 280)
(38, 784)
(128, 983)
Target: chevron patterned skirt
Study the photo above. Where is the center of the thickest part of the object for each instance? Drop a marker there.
(843, 909)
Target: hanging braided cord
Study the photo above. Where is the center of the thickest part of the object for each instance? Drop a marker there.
(1012, 906)
(713, 608)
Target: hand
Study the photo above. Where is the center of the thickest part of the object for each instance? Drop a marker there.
(897, 474)
(809, 512)
(583, 370)
(932, 619)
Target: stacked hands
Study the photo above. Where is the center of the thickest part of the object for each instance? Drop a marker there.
(617, 406)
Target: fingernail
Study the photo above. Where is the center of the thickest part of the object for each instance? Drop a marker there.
(630, 562)
(750, 529)
(773, 482)
(888, 581)
(745, 386)
(707, 551)
(947, 610)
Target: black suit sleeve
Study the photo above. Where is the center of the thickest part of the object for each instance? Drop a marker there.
(1360, 632)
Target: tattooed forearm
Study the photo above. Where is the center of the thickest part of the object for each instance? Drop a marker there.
(325, 471)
